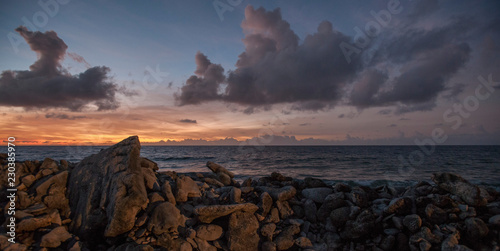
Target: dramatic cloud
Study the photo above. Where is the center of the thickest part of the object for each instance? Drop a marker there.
(189, 121)
(46, 84)
(274, 68)
(62, 116)
(407, 66)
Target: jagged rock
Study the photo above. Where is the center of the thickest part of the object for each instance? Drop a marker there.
(235, 195)
(32, 224)
(268, 230)
(167, 191)
(471, 194)
(186, 188)
(284, 209)
(58, 180)
(435, 214)
(216, 168)
(317, 194)
(55, 237)
(165, 218)
(223, 175)
(273, 216)
(213, 182)
(207, 214)
(155, 197)
(285, 239)
(149, 178)
(266, 202)
(281, 194)
(107, 191)
(209, 232)
(413, 222)
(242, 231)
(399, 206)
(303, 242)
(475, 229)
(28, 180)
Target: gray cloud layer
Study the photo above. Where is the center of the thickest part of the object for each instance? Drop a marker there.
(406, 66)
(47, 85)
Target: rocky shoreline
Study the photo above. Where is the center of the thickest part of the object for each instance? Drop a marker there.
(117, 200)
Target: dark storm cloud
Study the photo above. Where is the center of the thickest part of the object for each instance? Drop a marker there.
(46, 84)
(407, 67)
(189, 121)
(274, 68)
(62, 116)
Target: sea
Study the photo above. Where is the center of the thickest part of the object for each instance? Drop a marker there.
(365, 165)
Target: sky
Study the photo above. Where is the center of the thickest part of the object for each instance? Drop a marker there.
(250, 72)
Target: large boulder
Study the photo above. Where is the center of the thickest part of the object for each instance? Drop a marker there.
(107, 190)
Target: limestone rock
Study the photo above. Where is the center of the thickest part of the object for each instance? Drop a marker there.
(165, 218)
(209, 232)
(107, 191)
(281, 194)
(32, 224)
(242, 231)
(186, 188)
(268, 230)
(207, 214)
(167, 190)
(54, 238)
(266, 202)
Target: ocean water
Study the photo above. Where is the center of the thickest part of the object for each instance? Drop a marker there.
(369, 165)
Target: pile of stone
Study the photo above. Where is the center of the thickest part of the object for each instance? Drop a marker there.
(117, 200)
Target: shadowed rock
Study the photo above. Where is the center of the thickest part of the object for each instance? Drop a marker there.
(457, 185)
(107, 191)
(207, 214)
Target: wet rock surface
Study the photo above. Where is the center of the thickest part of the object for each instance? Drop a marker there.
(117, 200)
